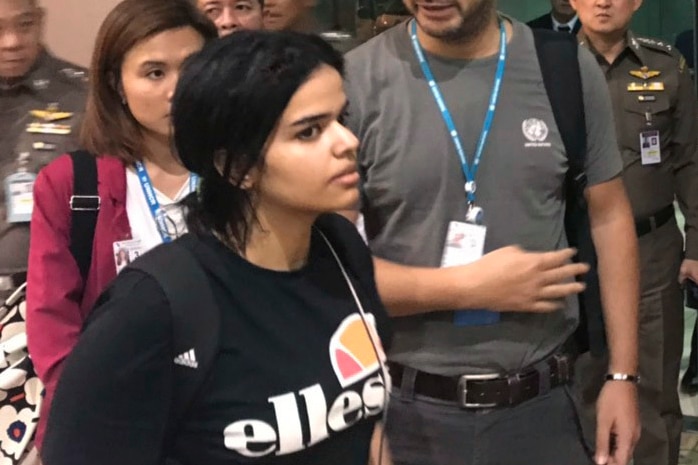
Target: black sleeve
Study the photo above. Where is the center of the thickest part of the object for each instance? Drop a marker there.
(112, 402)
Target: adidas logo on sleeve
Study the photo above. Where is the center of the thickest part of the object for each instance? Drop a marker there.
(187, 359)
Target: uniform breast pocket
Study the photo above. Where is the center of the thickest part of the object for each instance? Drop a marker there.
(652, 114)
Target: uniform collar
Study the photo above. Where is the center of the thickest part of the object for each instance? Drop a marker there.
(571, 24)
(634, 46)
(631, 46)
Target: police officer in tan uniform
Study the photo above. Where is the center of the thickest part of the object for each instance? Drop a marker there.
(656, 116)
(41, 100)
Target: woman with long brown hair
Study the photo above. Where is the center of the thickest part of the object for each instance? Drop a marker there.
(135, 67)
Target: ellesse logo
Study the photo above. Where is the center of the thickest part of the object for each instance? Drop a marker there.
(351, 351)
(306, 417)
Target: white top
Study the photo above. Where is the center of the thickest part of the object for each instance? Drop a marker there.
(143, 226)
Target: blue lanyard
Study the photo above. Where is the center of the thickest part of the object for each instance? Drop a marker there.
(469, 173)
(155, 209)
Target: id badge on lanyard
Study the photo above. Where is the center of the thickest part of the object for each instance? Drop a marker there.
(465, 240)
(156, 210)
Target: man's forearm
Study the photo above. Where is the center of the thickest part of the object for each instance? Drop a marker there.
(618, 266)
(408, 290)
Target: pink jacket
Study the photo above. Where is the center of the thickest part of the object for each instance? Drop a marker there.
(58, 300)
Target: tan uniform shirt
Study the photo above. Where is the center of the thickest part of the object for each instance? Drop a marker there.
(52, 84)
(651, 89)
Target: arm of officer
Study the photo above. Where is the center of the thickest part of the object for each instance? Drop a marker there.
(613, 232)
(54, 285)
(684, 152)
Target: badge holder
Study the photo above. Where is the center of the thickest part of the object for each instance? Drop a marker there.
(19, 192)
(465, 243)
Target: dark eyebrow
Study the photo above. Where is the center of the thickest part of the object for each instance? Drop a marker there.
(153, 64)
(312, 119)
(319, 117)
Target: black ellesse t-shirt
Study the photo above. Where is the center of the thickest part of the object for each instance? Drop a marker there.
(296, 380)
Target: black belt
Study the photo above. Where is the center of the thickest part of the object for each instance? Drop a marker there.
(648, 224)
(490, 390)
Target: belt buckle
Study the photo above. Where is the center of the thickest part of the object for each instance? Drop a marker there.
(463, 390)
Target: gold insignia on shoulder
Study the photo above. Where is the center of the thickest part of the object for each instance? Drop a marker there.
(645, 73)
(646, 87)
(682, 64)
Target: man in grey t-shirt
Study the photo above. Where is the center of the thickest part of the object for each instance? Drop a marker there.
(450, 367)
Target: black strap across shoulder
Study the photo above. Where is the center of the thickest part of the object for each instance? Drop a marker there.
(558, 55)
(84, 206)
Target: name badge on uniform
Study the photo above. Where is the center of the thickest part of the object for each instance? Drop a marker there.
(19, 197)
(650, 148)
(126, 252)
(465, 243)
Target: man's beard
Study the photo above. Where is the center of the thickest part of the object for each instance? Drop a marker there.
(470, 27)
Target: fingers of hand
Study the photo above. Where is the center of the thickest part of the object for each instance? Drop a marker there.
(560, 291)
(558, 257)
(564, 273)
(624, 447)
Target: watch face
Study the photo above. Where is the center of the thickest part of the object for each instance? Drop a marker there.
(691, 294)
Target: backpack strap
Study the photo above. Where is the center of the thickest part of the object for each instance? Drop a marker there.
(558, 55)
(195, 320)
(84, 206)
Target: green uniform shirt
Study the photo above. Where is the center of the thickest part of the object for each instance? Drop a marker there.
(51, 84)
(651, 89)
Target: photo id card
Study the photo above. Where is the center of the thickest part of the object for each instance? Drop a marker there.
(465, 243)
(126, 252)
(650, 148)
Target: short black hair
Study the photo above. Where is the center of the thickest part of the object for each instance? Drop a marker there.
(227, 105)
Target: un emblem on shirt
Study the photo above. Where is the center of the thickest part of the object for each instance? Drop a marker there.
(536, 131)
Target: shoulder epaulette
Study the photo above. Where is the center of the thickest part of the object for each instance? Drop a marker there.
(67, 72)
(73, 75)
(655, 44)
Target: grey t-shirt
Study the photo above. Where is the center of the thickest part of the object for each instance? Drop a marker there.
(413, 184)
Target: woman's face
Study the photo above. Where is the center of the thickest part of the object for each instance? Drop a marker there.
(310, 164)
(149, 75)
